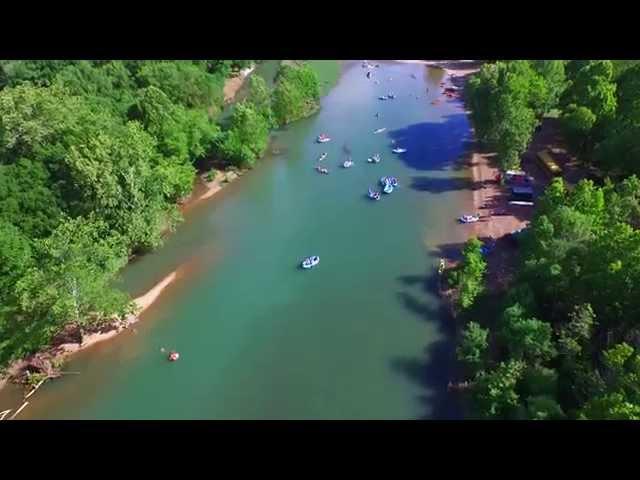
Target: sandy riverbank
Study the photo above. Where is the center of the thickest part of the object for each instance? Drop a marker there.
(454, 68)
(62, 351)
(489, 198)
(232, 85)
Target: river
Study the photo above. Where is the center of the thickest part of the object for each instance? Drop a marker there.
(361, 336)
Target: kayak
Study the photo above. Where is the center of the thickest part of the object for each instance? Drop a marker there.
(373, 195)
(310, 262)
(380, 130)
(399, 150)
(469, 218)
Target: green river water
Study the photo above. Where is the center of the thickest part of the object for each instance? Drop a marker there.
(361, 336)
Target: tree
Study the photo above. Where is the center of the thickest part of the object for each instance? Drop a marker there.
(69, 283)
(494, 392)
(37, 72)
(469, 276)
(507, 99)
(114, 179)
(526, 338)
(575, 335)
(593, 87)
(578, 121)
(26, 198)
(183, 137)
(260, 98)
(109, 85)
(544, 408)
(297, 93)
(621, 401)
(592, 91)
(514, 130)
(627, 98)
(71, 279)
(15, 259)
(539, 381)
(555, 80)
(473, 345)
(184, 83)
(247, 137)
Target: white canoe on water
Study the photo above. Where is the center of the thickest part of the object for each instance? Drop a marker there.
(310, 262)
(380, 130)
(399, 150)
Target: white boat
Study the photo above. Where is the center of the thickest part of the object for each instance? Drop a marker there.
(469, 218)
(310, 262)
(374, 159)
(322, 157)
(382, 97)
(322, 170)
(373, 195)
(380, 130)
(347, 163)
(322, 138)
(399, 150)
(521, 203)
(387, 188)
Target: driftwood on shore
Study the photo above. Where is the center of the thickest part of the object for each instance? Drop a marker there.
(33, 390)
(18, 411)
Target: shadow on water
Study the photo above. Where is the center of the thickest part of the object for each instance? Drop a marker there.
(433, 146)
(453, 251)
(433, 370)
(441, 185)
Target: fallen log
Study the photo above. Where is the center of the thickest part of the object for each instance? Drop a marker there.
(19, 410)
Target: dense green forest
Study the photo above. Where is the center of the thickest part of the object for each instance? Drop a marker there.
(94, 156)
(564, 341)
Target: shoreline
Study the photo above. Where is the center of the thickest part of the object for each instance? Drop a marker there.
(221, 179)
(64, 350)
(488, 197)
(453, 68)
